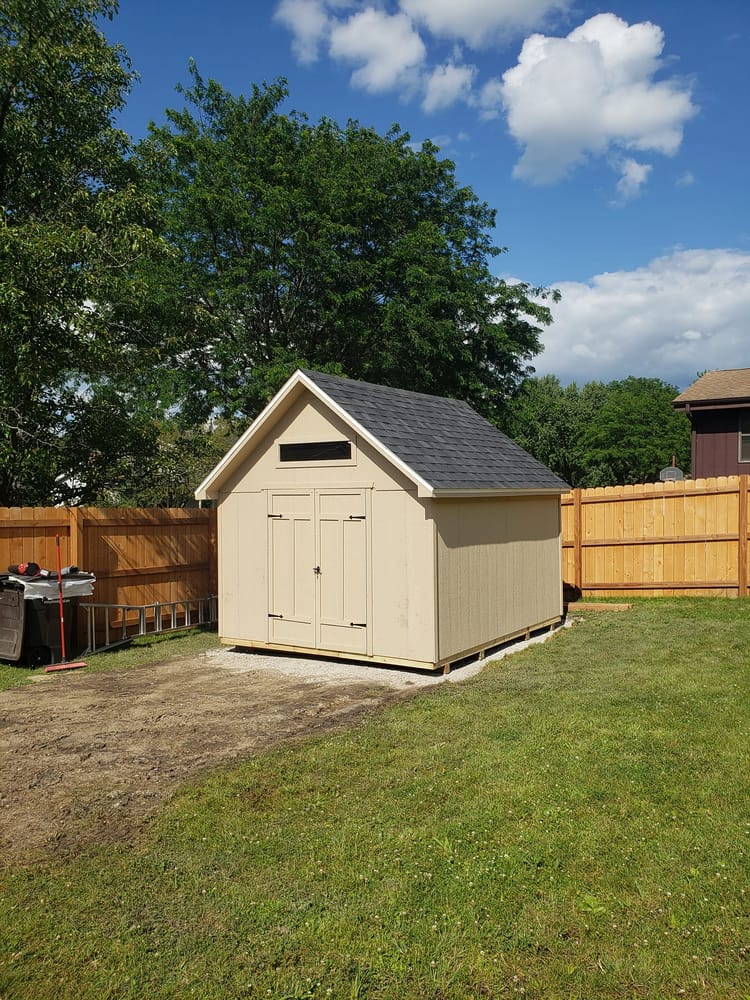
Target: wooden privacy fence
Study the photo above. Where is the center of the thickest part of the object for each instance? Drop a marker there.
(655, 539)
(658, 539)
(139, 556)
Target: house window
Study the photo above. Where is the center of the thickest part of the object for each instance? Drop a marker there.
(315, 451)
(745, 437)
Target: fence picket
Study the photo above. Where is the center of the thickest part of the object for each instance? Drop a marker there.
(673, 538)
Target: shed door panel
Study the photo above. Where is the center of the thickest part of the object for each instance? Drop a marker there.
(342, 535)
(291, 542)
(318, 576)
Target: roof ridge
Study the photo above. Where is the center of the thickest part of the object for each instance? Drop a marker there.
(344, 379)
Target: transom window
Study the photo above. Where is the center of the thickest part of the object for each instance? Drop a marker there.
(745, 437)
(315, 451)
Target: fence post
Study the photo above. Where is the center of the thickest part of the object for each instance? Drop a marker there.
(577, 540)
(742, 538)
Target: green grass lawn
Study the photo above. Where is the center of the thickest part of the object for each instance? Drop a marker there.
(574, 822)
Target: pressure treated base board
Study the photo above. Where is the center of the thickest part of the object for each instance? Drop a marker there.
(596, 606)
(445, 664)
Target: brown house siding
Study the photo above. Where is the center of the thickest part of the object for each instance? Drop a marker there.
(715, 443)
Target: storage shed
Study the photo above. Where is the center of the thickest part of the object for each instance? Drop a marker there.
(360, 521)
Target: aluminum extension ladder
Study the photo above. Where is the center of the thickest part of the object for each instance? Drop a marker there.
(119, 623)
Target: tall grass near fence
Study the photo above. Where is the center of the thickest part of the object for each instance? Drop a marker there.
(572, 823)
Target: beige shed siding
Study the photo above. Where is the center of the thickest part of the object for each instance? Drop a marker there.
(403, 564)
(309, 420)
(243, 568)
(499, 569)
(401, 570)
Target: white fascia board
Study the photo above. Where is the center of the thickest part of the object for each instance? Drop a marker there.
(424, 489)
(448, 494)
(209, 488)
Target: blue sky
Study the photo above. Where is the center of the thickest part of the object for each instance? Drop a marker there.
(612, 139)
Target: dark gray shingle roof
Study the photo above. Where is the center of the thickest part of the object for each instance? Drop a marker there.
(443, 440)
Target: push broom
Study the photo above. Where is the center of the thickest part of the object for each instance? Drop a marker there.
(63, 665)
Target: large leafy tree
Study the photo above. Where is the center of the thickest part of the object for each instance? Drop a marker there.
(601, 434)
(635, 433)
(74, 221)
(331, 247)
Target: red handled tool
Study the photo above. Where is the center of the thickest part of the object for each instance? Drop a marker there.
(63, 665)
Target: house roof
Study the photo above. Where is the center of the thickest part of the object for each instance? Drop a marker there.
(725, 386)
(442, 444)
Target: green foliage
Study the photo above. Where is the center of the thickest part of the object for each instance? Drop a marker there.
(330, 247)
(635, 432)
(73, 219)
(602, 434)
(182, 458)
(144, 297)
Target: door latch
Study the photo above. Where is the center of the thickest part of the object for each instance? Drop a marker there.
(316, 570)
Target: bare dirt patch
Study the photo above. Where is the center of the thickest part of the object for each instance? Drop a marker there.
(85, 756)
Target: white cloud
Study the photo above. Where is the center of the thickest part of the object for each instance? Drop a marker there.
(447, 84)
(490, 99)
(686, 180)
(386, 46)
(588, 94)
(390, 50)
(479, 23)
(633, 177)
(308, 22)
(677, 316)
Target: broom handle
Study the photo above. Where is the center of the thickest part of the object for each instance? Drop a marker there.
(60, 596)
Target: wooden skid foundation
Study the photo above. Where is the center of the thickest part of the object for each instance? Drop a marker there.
(478, 652)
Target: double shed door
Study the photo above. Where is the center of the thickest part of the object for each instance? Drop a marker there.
(318, 569)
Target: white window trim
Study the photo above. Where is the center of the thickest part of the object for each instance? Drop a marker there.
(743, 438)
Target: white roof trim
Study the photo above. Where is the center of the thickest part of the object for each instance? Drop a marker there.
(209, 488)
(498, 491)
(424, 488)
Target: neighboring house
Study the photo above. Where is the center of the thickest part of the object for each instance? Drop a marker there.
(718, 406)
(373, 523)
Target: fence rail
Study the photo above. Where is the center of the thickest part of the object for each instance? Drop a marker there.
(655, 539)
(658, 539)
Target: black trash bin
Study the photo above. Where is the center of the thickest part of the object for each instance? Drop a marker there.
(30, 617)
(42, 641)
(12, 619)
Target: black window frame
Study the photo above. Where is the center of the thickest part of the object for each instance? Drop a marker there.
(315, 451)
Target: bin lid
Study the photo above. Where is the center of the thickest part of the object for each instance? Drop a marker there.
(34, 587)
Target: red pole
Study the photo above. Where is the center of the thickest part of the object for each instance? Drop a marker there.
(63, 665)
(60, 595)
